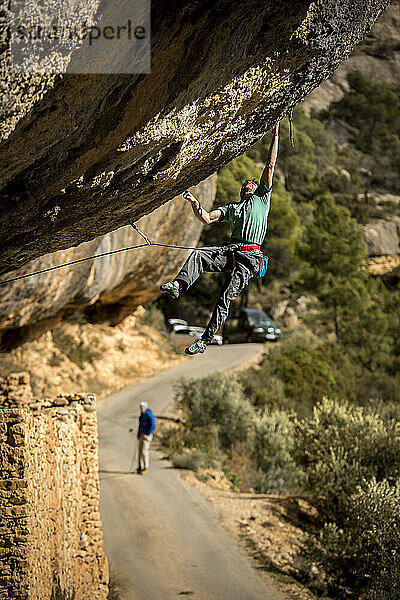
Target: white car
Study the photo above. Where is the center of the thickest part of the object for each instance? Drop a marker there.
(194, 331)
(174, 324)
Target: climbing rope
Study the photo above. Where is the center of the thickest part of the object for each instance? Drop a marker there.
(81, 260)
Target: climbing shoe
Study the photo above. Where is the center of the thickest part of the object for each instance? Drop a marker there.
(198, 347)
(144, 471)
(172, 289)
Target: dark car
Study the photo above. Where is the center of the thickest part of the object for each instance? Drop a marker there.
(250, 325)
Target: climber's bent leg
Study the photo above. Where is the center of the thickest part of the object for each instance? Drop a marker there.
(234, 284)
(245, 266)
(212, 260)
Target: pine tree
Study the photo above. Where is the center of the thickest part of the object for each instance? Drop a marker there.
(333, 249)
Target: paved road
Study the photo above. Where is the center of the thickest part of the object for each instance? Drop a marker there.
(162, 538)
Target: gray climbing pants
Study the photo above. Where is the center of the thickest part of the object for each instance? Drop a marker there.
(219, 259)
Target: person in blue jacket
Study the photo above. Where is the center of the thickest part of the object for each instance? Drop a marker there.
(147, 425)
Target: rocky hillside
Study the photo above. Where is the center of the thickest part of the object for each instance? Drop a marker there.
(98, 359)
(378, 57)
(85, 154)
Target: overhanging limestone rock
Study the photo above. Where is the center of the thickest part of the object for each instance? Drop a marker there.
(96, 151)
(108, 288)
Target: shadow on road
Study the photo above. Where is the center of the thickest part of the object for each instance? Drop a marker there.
(113, 474)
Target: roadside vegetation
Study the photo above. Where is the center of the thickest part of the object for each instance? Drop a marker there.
(318, 418)
(342, 458)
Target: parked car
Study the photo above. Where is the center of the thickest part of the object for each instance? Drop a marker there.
(250, 325)
(193, 331)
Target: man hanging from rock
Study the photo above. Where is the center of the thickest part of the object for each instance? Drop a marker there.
(241, 257)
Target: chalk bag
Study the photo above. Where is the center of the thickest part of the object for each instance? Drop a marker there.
(263, 270)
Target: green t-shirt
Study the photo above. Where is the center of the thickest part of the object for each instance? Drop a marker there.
(249, 217)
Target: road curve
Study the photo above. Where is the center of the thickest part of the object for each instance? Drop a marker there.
(162, 538)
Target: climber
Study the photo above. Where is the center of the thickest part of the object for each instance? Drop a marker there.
(241, 257)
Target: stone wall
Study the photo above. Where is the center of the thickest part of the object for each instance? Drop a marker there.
(51, 544)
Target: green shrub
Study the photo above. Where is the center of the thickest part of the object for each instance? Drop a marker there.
(265, 393)
(180, 439)
(361, 559)
(300, 371)
(303, 337)
(271, 446)
(192, 460)
(305, 373)
(153, 317)
(375, 512)
(217, 400)
(232, 477)
(340, 447)
(79, 353)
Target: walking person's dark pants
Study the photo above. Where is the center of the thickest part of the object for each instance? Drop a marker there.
(218, 260)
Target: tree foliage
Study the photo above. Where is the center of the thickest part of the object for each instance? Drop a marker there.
(373, 111)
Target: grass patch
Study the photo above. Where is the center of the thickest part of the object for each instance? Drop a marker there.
(79, 353)
(153, 317)
(192, 460)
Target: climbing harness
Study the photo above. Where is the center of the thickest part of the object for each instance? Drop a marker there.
(240, 246)
(263, 269)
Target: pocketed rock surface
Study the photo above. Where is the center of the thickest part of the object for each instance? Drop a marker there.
(85, 154)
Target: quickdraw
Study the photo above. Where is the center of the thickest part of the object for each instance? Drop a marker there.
(291, 129)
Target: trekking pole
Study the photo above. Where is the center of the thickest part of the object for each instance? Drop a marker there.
(134, 454)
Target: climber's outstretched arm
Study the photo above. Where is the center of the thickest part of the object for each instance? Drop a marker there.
(268, 172)
(200, 213)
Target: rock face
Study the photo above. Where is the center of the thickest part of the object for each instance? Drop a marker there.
(109, 288)
(378, 56)
(49, 502)
(382, 237)
(85, 154)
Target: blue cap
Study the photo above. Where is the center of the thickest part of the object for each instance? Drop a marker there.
(145, 404)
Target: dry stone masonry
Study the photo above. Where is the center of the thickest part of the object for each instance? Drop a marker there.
(50, 537)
